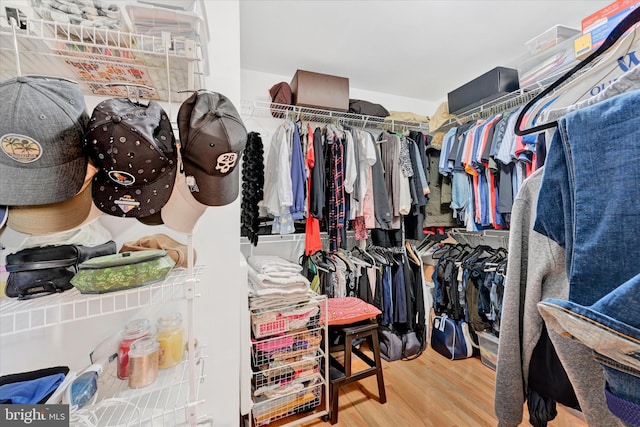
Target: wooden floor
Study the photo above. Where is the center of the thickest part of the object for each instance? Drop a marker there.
(429, 391)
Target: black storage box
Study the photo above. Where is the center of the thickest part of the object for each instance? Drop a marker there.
(487, 87)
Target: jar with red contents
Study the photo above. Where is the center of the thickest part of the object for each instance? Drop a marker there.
(133, 330)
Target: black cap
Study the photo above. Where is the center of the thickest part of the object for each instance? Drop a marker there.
(135, 150)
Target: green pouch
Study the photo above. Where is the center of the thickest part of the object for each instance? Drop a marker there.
(121, 271)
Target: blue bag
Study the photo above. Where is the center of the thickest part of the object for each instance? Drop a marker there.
(451, 338)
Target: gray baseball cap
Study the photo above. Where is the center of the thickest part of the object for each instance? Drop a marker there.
(42, 122)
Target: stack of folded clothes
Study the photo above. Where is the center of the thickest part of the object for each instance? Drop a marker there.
(273, 279)
(93, 13)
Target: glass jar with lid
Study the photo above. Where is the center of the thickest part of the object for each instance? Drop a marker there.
(170, 336)
(135, 329)
(143, 362)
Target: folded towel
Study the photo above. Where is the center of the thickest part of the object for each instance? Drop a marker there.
(272, 264)
(268, 300)
(266, 280)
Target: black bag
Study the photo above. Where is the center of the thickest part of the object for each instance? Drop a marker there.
(36, 272)
(395, 345)
(367, 108)
(390, 343)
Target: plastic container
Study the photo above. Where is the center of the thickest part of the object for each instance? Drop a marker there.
(143, 362)
(553, 36)
(171, 339)
(488, 349)
(547, 66)
(133, 330)
(84, 387)
(122, 271)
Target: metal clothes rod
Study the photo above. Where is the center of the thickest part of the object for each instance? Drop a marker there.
(254, 108)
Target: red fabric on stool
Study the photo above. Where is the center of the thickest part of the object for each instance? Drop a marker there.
(347, 310)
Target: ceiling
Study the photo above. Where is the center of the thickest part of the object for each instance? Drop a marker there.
(417, 49)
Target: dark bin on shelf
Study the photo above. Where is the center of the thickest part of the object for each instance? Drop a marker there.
(489, 86)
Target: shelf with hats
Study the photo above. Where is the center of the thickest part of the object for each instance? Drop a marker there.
(164, 402)
(256, 108)
(94, 57)
(18, 316)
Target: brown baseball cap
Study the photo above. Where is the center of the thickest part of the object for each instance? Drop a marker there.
(212, 138)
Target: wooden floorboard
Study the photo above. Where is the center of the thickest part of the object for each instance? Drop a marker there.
(430, 391)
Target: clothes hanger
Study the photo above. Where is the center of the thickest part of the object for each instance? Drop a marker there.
(605, 71)
(612, 38)
(411, 253)
(618, 31)
(128, 86)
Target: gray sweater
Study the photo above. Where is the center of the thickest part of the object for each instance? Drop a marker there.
(535, 271)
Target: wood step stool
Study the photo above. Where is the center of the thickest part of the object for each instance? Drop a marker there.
(341, 374)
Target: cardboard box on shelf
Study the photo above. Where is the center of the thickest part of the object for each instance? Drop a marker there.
(318, 90)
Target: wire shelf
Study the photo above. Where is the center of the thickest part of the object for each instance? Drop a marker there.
(279, 377)
(165, 402)
(255, 108)
(286, 348)
(304, 400)
(285, 317)
(95, 56)
(20, 316)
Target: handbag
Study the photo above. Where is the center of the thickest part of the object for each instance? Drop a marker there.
(390, 344)
(448, 338)
(412, 346)
(36, 272)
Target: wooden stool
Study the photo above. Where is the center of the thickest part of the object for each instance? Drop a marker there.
(341, 374)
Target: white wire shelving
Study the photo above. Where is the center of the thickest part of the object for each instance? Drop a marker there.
(96, 56)
(21, 316)
(256, 108)
(164, 402)
(289, 360)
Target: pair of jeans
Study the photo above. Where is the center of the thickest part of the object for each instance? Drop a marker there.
(611, 328)
(589, 195)
(588, 204)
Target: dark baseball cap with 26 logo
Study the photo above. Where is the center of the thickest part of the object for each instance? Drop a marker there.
(212, 138)
(134, 148)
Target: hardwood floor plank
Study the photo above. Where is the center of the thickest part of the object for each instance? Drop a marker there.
(430, 391)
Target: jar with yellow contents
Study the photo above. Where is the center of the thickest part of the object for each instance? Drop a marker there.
(170, 336)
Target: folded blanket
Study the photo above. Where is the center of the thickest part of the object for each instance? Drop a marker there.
(272, 264)
(266, 300)
(262, 281)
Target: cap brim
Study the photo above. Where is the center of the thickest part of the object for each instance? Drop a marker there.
(154, 219)
(4, 213)
(51, 218)
(213, 190)
(23, 186)
(182, 211)
(132, 201)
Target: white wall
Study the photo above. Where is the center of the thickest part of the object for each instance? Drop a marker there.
(256, 84)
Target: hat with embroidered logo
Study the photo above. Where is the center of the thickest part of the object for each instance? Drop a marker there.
(212, 137)
(134, 148)
(42, 122)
